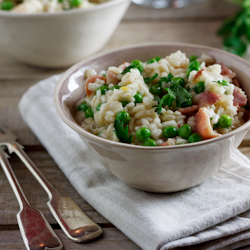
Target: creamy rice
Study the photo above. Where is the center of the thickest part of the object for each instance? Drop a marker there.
(211, 97)
(41, 6)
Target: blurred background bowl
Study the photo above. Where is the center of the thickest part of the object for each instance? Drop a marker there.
(154, 169)
(60, 39)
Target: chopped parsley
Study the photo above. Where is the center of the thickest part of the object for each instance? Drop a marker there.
(121, 132)
(148, 79)
(176, 92)
(166, 100)
(235, 30)
(222, 82)
(136, 64)
(198, 88)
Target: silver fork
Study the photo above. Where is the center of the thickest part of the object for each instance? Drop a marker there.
(73, 221)
(36, 231)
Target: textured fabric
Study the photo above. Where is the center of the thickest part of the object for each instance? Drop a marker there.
(213, 215)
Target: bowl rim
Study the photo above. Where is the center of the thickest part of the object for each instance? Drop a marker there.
(100, 6)
(107, 142)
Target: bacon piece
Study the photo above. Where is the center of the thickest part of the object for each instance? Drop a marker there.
(188, 110)
(169, 142)
(165, 143)
(124, 65)
(225, 71)
(207, 98)
(92, 79)
(203, 126)
(199, 73)
(112, 77)
(240, 98)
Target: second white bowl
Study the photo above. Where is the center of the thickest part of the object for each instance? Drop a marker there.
(60, 39)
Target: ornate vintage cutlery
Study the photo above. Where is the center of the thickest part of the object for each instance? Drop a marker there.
(36, 231)
(73, 221)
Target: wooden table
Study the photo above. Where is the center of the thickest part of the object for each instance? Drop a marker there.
(197, 24)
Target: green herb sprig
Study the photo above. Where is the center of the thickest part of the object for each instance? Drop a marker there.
(235, 30)
(222, 82)
(176, 92)
(122, 132)
(148, 79)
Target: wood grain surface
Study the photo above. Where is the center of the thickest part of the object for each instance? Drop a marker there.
(197, 24)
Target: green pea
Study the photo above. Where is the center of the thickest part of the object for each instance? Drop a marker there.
(142, 134)
(194, 65)
(99, 106)
(185, 131)
(225, 121)
(178, 80)
(115, 87)
(75, 3)
(123, 116)
(124, 103)
(155, 59)
(137, 64)
(188, 103)
(83, 106)
(103, 89)
(89, 113)
(194, 138)
(169, 132)
(156, 89)
(199, 87)
(7, 5)
(149, 142)
(192, 58)
(138, 97)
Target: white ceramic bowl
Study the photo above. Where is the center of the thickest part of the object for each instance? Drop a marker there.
(60, 39)
(154, 169)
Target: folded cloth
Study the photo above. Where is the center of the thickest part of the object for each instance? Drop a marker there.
(213, 215)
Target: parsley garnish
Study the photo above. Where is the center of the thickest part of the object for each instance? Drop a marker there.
(183, 97)
(134, 64)
(148, 79)
(198, 88)
(235, 31)
(165, 79)
(166, 100)
(127, 69)
(122, 132)
(223, 82)
(175, 92)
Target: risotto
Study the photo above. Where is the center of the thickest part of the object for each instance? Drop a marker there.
(164, 101)
(41, 6)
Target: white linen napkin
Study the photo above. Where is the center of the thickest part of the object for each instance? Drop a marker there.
(213, 215)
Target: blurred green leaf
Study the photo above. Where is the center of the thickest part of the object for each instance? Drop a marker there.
(235, 31)
(235, 45)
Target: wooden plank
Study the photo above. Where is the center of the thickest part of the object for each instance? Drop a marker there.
(245, 151)
(112, 239)
(196, 32)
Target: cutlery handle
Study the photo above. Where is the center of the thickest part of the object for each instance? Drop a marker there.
(36, 232)
(73, 221)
